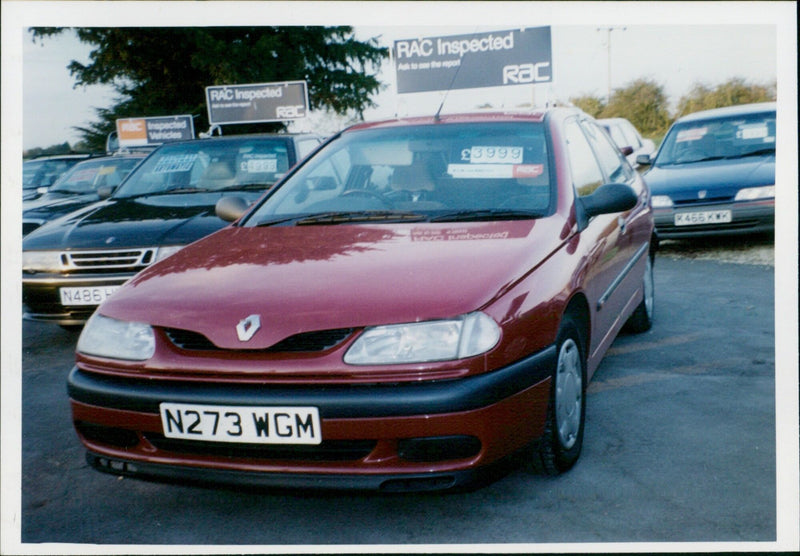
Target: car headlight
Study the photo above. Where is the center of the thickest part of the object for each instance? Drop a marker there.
(164, 252)
(419, 342)
(661, 201)
(117, 339)
(41, 261)
(755, 193)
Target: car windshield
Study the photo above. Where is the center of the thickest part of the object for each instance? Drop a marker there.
(87, 177)
(719, 138)
(44, 172)
(444, 172)
(210, 165)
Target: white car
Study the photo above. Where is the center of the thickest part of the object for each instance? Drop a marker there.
(628, 138)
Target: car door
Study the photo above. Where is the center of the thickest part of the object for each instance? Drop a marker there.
(594, 160)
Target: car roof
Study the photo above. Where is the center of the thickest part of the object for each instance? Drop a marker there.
(73, 156)
(534, 115)
(225, 138)
(739, 110)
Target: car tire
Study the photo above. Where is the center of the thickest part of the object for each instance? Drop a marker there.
(560, 445)
(641, 320)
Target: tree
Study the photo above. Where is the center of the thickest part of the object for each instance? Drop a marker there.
(164, 71)
(593, 106)
(644, 103)
(732, 92)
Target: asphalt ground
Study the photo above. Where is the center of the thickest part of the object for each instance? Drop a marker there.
(680, 447)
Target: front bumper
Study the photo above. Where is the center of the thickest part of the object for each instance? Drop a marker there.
(41, 297)
(417, 436)
(746, 218)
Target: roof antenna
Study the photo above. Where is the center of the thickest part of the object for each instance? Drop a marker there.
(449, 87)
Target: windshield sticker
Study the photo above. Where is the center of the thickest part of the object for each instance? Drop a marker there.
(692, 134)
(106, 170)
(753, 131)
(492, 155)
(259, 163)
(86, 174)
(175, 163)
(484, 171)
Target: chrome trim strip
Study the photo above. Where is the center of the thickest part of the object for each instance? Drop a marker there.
(618, 280)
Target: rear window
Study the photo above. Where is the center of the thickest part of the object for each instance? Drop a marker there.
(210, 165)
(478, 166)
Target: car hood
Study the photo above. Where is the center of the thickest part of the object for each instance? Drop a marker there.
(309, 278)
(721, 178)
(132, 222)
(51, 206)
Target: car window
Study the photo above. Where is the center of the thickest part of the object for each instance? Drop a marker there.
(616, 134)
(87, 177)
(717, 138)
(631, 135)
(305, 146)
(586, 174)
(614, 165)
(210, 165)
(426, 168)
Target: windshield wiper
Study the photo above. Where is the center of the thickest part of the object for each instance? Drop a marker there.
(486, 215)
(758, 152)
(344, 217)
(248, 186)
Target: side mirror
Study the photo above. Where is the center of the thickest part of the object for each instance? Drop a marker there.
(643, 160)
(105, 191)
(626, 150)
(231, 209)
(609, 198)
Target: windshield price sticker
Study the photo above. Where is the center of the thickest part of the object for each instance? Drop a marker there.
(752, 131)
(492, 155)
(486, 171)
(703, 217)
(242, 424)
(175, 163)
(692, 134)
(259, 164)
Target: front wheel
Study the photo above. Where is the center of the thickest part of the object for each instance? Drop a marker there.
(560, 445)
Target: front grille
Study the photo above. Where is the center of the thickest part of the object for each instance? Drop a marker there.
(307, 342)
(328, 450)
(88, 261)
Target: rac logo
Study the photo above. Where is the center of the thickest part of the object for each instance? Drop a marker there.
(526, 73)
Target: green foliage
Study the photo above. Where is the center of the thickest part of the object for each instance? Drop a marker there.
(644, 103)
(593, 106)
(732, 92)
(164, 71)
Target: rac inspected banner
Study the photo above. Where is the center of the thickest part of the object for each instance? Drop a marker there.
(141, 132)
(513, 57)
(257, 102)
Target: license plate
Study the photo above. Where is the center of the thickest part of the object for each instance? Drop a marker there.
(245, 424)
(703, 217)
(94, 295)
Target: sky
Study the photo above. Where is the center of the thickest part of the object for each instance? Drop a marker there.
(674, 54)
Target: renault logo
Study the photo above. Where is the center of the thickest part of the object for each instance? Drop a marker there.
(247, 328)
(702, 194)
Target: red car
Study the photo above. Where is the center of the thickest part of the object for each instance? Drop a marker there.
(417, 303)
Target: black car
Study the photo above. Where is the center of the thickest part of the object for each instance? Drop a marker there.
(714, 174)
(38, 174)
(73, 263)
(78, 187)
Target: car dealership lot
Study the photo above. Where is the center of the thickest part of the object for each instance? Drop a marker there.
(680, 446)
